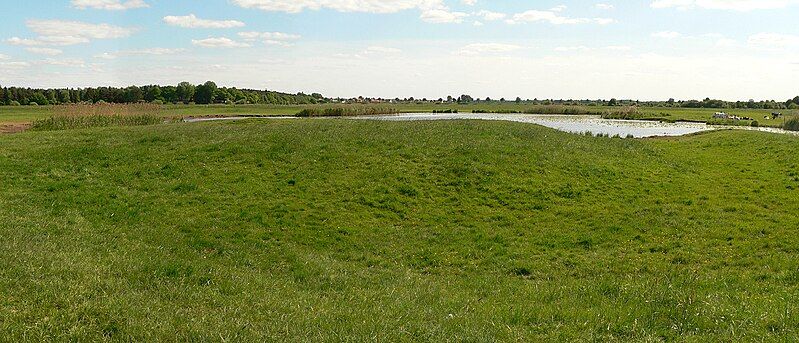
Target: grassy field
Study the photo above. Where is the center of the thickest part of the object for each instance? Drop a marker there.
(344, 230)
(28, 114)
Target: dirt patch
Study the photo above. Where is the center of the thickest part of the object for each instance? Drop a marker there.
(13, 128)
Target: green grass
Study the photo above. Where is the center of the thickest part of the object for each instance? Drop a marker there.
(342, 230)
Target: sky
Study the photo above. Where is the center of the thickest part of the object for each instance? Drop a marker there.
(568, 49)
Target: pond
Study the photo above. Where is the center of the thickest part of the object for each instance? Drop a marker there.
(580, 123)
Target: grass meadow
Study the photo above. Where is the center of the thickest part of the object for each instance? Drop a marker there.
(347, 230)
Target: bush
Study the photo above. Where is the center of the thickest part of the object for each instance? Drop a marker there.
(755, 124)
(32, 104)
(157, 102)
(792, 125)
(14, 103)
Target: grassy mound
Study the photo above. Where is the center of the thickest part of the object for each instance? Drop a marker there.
(342, 230)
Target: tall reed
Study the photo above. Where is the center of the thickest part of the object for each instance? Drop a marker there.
(80, 116)
(346, 111)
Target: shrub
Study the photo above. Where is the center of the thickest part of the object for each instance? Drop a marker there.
(755, 124)
(792, 125)
(32, 104)
(14, 103)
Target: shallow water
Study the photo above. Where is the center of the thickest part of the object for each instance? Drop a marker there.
(204, 119)
(581, 123)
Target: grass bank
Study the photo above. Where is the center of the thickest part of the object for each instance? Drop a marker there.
(339, 230)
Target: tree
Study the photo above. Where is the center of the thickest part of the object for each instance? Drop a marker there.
(465, 99)
(40, 99)
(152, 93)
(518, 100)
(132, 94)
(205, 93)
(613, 102)
(185, 92)
(170, 94)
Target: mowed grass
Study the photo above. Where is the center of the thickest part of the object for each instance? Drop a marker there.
(346, 230)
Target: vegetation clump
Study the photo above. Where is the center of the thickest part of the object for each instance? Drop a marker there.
(792, 125)
(346, 111)
(81, 116)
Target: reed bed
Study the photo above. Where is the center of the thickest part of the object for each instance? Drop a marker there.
(346, 111)
(792, 125)
(80, 116)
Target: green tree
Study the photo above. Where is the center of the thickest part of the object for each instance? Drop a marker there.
(152, 93)
(185, 92)
(205, 93)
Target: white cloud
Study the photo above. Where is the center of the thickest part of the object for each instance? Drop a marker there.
(554, 18)
(469, 2)
(111, 5)
(491, 16)
(605, 7)
(4, 57)
(487, 48)
(583, 48)
(733, 5)
(150, 51)
(381, 50)
(219, 42)
(48, 40)
(726, 43)
(192, 22)
(478, 23)
(432, 11)
(270, 38)
(64, 33)
(370, 6)
(62, 28)
(773, 40)
(559, 8)
(44, 51)
(15, 64)
(442, 16)
(69, 62)
(667, 34)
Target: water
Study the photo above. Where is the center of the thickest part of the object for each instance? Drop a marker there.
(581, 123)
(204, 119)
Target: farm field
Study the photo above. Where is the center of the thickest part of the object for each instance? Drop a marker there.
(346, 230)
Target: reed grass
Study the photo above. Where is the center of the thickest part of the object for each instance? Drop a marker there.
(81, 116)
(345, 111)
(792, 125)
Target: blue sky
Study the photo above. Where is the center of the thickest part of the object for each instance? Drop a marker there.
(646, 49)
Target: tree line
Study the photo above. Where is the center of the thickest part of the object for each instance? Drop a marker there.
(184, 92)
(706, 103)
(209, 93)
